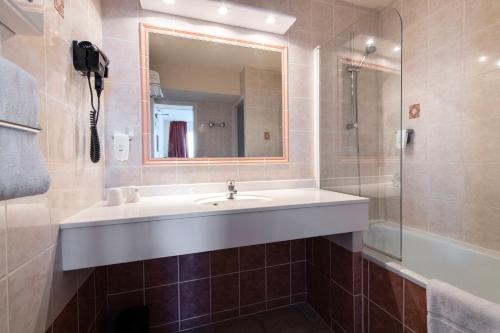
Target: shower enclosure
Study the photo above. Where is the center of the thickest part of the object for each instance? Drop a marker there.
(360, 114)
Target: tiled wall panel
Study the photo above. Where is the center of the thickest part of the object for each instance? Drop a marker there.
(391, 303)
(201, 288)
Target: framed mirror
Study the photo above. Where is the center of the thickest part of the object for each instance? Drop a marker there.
(208, 99)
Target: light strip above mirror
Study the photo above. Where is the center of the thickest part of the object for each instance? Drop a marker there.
(226, 13)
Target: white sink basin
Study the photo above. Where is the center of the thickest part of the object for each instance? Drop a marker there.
(223, 200)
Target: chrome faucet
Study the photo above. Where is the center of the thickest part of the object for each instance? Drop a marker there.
(231, 189)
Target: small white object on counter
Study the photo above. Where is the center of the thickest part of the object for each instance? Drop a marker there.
(114, 196)
(131, 194)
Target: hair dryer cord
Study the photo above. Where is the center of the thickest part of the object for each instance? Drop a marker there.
(95, 147)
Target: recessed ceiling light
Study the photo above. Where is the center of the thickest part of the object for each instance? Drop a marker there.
(396, 49)
(482, 58)
(169, 2)
(271, 19)
(498, 63)
(370, 41)
(223, 10)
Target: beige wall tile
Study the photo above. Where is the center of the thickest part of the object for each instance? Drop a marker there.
(482, 184)
(481, 13)
(481, 226)
(446, 25)
(28, 229)
(3, 240)
(414, 11)
(445, 218)
(3, 305)
(29, 294)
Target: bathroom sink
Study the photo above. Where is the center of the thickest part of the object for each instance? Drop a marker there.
(223, 200)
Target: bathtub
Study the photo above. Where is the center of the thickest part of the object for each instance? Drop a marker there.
(428, 256)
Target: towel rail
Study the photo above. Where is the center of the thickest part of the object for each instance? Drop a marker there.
(8, 124)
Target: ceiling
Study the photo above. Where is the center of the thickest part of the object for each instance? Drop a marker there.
(192, 52)
(374, 4)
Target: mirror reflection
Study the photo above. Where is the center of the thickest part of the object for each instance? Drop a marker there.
(212, 99)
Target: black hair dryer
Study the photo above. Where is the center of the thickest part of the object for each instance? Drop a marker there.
(89, 60)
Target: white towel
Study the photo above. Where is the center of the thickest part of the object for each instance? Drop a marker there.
(22, 168)
(452, 310)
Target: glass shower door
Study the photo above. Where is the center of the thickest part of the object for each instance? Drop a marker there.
(360, 122)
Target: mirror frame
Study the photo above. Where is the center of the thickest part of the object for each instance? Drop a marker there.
(145, 29)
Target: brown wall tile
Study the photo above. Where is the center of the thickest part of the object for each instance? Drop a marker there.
(194, 298)
(168, 328)
(194, 266)
(252, 286)
(321, 255)
(278, 281)
(342, 308)
(119, 302)
(224, 261)
(415, 307)
(381, 322)
(252, 257)
(386, 289)
(86, 304)
(125, 277)
(298, 247)
(195, 322)
(225, 292)
(298, 277)
(160, 271)
(163, 304)
(277, 253)
(67, 321)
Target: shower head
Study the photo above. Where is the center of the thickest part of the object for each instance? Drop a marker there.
(370, 49)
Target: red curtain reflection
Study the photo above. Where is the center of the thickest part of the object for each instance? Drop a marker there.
(177, 140)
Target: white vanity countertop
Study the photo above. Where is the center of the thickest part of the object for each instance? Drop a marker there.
(155, 208)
